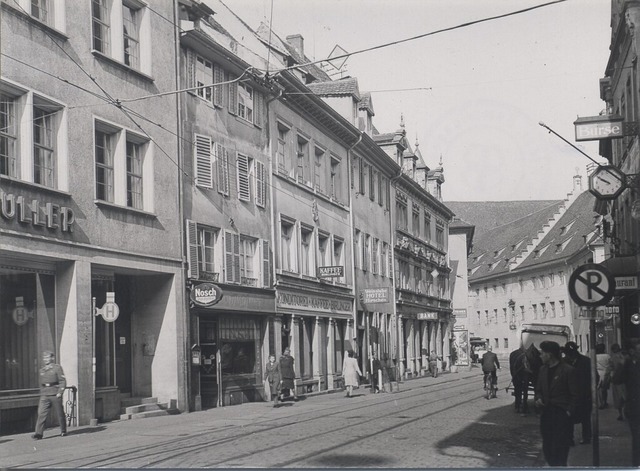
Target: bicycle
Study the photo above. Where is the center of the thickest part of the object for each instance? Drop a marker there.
(490, 388)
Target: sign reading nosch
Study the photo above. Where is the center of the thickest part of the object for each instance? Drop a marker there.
(206, 294)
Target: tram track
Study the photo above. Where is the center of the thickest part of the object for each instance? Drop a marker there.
(173, 449)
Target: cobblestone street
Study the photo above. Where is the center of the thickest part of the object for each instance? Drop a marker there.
(430, 423)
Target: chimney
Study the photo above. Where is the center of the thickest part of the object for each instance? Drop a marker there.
(297, 41)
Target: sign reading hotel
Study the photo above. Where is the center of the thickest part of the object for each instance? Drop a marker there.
(375, 295)
(305, 302)
(594, 128)
(331, 272)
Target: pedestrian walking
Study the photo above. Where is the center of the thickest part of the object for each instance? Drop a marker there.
(288, 374)
(631, 374)
(52, 384)
(614, 376)
(351, 373)
(273, 379)
(582, 365)
(433, 364)
(376, 374)
(387, 374)
(602, 360)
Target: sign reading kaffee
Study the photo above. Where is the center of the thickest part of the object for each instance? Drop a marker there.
(206, 294)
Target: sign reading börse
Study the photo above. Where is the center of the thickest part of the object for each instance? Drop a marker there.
(330, 272)
(593, 128)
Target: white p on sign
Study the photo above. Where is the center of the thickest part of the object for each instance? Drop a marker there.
(591, 285)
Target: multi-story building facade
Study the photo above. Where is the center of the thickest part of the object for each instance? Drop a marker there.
(227, 211)
(421, 264)
(89, 204)
(619, 89)
(518, 272)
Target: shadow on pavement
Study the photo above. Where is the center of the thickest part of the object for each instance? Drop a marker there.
(500, 437)
(82, 431)
(340, 460)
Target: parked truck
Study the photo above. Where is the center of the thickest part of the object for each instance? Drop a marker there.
(536, 333)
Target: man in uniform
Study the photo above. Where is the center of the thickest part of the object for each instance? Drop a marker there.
(52, 384)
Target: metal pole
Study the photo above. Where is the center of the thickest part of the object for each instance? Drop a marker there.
(595, 441)
(94, 421)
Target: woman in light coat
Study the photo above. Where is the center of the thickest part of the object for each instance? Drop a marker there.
(351, 372)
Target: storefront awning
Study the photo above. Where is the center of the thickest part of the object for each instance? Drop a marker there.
(620, 266)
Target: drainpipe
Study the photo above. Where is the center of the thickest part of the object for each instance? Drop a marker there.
(393, 290)
(186, 362)
(353, 255)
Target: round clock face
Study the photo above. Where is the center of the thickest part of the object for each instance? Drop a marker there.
(606, 182)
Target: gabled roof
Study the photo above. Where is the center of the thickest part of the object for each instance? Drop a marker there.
(487, 215)
(495, 248)
(366, 103)
(573, 230)
(562, 243)
(347, 86)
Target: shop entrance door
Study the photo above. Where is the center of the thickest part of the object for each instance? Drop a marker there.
(209, 366)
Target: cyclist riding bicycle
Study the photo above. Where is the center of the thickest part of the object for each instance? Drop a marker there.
(490, 364)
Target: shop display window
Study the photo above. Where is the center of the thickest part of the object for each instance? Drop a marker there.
(27, 327)
(239, 347)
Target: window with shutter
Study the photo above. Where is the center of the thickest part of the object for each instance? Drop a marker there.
(203, 161)
(361, 174)
(218, 78)
(233, 94)
(261, 185)
(266, 265)
(244, 192)
(258, 104)
(231, 257)
(222, 160)
(192, 252)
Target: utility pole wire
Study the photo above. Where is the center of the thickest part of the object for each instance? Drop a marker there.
(424, 35)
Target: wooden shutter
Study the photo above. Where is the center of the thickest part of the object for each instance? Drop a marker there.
(202, 159)
(361, 175)
(232, 257)
(193, 271)
(244, 193)
(258, 108)
(223, 169)
(266, 265)
(233, 94)
(261, 184)
(218, 90)
(191, 69)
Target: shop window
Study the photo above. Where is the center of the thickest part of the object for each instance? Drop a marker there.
(27, 327)
(239, 353)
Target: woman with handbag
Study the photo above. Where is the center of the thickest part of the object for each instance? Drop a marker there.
(273, 379)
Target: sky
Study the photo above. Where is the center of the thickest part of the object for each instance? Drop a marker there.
(480, 91)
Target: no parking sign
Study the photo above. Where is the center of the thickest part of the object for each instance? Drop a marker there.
(591, 285)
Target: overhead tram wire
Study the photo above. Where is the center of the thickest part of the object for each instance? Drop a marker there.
(393, 43)
(420, 36)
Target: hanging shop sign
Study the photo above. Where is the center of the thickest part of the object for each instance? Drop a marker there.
(206, 294)
(36, 213)
(593, 128)
(375, 295)
(626, 282)
(331, 272)
(109, 310)
(21, 314)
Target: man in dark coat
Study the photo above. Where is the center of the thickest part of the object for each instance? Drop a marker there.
(556, 396)
(632, 404)
(519, 378)
(582, 365)
(287, 372)
(52, 385)
(490, 363)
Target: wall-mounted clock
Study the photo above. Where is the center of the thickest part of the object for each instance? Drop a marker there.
(607, 182)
